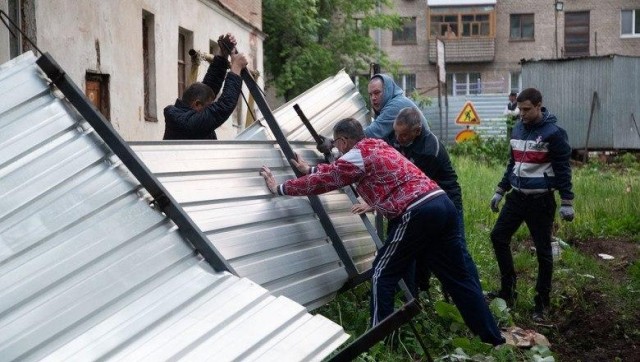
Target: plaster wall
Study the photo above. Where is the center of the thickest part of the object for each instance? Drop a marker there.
(106, 37)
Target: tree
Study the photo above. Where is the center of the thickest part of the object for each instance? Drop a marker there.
(310, 40)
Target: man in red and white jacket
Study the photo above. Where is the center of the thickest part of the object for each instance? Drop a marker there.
(423, 222)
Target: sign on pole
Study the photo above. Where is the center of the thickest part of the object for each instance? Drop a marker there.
(468, 115)
(442, 74)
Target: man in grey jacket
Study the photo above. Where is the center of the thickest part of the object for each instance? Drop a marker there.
(387, 100)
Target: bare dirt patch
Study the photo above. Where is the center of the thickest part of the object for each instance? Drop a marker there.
(597, 330)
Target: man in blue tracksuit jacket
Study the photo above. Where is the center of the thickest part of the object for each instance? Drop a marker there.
(539, 165)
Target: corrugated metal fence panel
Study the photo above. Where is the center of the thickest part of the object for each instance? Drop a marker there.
(489, 108)
(89, 271)
(567, 90)
(275, 241)
(324, 104)
(625, 100)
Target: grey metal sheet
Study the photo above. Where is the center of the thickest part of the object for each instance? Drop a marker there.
(489, 108)
(327, 102)
(89, 271)
(625, 102)
(567, 87)
(275, 241)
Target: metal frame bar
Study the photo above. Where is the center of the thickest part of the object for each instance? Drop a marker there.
(314, 200)
(162, 198)
(377, 333)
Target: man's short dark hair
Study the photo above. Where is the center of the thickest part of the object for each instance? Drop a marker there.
(513, 94)
(409, 116)
(530, 94)
(197, 92)
(349, 128)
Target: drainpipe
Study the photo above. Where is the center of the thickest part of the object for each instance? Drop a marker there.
(379, 33)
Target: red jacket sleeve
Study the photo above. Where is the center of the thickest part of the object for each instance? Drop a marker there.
(328, 177)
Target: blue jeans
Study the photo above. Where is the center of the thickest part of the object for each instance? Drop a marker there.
(429, 235)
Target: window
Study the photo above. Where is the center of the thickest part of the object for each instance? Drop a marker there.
(576, 34)
(521, 27)
(97, 90)
(461, 22)
(444, 25)
(475, 25)
(464, 84)
(515, 82)
(407, 34)
(22, 13)
(630, 22)
(149, 66)
(407, 82)
(15, 38)
(360, 27)
(185, 42)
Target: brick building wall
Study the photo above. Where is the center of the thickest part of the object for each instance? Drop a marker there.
(548, 41)
(412, 57)
(249, 10)
(604, 26)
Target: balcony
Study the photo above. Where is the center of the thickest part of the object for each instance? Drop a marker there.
(465, 50)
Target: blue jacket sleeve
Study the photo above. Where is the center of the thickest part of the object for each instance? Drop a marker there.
(382, 126)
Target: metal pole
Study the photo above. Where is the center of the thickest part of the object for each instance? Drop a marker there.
(162, 198)
(586, 143)
(440, 107)
(314, 200)
(348, 189)
(377, 333)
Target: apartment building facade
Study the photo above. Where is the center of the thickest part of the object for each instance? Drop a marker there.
(486, 39)
(131, 56)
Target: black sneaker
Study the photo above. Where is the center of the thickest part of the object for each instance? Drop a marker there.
(509, 297)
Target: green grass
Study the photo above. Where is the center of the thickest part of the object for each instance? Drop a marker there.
(607, 206)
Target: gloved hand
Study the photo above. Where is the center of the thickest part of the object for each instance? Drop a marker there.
(567, 213)
(326, 145)
(226, 45)
(495, 201)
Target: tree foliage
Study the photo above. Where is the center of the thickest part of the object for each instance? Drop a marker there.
(310, 40)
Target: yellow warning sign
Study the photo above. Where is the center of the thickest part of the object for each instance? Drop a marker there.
(465, 135)
(468, 115)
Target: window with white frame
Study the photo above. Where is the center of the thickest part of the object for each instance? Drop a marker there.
(630, 22)
(406, 82)
(464, 84)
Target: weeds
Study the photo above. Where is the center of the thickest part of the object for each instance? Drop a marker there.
(607, 199)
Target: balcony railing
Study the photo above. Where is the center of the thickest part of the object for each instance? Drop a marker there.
(465, 50)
